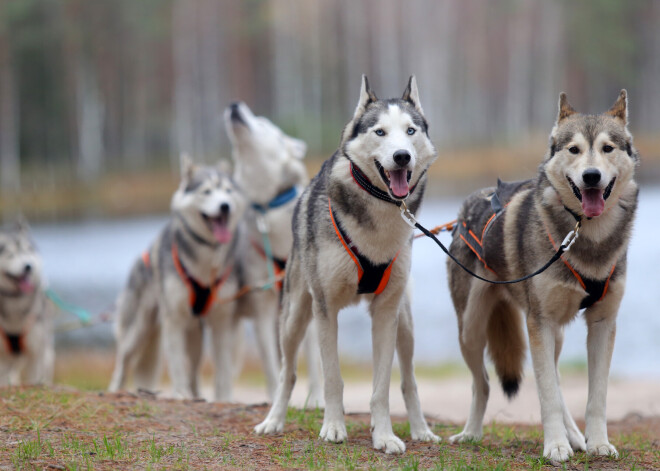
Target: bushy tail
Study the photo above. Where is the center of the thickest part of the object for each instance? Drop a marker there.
(506, 346)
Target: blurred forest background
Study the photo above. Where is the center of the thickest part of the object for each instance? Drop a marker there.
(98, 97)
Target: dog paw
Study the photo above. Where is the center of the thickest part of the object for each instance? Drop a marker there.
(576, 439)
(602, 449)
(465, 437)
(559, 451)
(389, 443)
(334, 432)
(269, 426)
(424, 435)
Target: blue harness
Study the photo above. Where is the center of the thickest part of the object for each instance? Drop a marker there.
(280, 200)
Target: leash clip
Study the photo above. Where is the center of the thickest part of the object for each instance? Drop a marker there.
(262, 223)
(407, 215)
(571, 237)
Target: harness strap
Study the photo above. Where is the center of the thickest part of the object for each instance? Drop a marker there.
(200, 297)
(596, 289)
(371, 278)
(280, 200)
(14, 343)
(146, 259)
(363, 182)
(279, 264)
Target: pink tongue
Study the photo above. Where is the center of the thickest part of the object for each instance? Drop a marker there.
(399, 182)
(593, 203)
(25, 286)
(220, 231)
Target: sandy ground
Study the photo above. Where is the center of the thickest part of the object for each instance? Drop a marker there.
(449, 399)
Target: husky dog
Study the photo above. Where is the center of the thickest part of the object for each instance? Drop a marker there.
(176, 284)
(510, 231)
(269, 169)
(350, 243)
(27, 353)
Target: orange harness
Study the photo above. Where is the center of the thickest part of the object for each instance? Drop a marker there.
(279, 264)
(371, 278)
(200, 297)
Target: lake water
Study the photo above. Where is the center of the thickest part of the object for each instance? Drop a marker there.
(87, 263)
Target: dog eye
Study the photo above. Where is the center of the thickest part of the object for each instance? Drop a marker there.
(411, 131)
(574, 150)
(207, 191)
(379, 132)
(607, 148)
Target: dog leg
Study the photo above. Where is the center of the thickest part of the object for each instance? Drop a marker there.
(542, 334)
(178, 362)
(384, 323)
(313, 361)
(472, 339)
(405, 345)
(601, 325)
(265, 329)
(295, 318)
(222, 344)
(130, 347)
(334, 426)
(575, 437)
(194, 344)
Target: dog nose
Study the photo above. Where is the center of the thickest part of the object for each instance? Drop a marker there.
(591, 176)
(224, 208)
(234, 105)
(27, 268)
(401, 157)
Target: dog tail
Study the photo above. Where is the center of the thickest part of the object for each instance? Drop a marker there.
(506, 346)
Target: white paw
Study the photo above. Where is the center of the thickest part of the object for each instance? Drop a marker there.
(389, 443)
(558, 451)
(424, 435)
(465, 436)
(602, 449)
(269, 426)
(576, 439)
(333, 431)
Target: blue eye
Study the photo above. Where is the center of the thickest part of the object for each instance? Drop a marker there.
(379, 132)
(411, 131)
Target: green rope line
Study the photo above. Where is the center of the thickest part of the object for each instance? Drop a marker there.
(82, 314)
(269, 261)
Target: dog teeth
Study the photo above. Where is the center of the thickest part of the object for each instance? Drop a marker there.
(387, 174)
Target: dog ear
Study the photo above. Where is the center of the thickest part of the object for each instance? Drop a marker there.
(21, 224)
(296, 147)
(187, 166)
(620, 107)
(565, 108)
(411, 94)
(367, 96)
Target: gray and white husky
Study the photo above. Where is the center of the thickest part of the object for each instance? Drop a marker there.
(176, 285)
(269, 169)
(350, 243)
(510, 231)
(27, 352)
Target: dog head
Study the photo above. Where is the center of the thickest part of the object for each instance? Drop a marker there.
(388, 139)
(20, 263)
(591, 159)
(208, 201)
(267, 161)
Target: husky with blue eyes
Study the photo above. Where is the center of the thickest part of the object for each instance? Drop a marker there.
(351, 244)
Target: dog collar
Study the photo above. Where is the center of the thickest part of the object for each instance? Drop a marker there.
(280, 200)
(363, 182)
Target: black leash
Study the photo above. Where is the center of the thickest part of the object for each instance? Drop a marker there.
(564, 247)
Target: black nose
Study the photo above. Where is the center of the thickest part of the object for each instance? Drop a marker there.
(234, 105)
(401, 157)
(27, 269)
(591, 176)
(224, 209)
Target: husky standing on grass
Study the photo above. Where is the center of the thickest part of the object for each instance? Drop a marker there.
(176, 284)
(350, 243)
(27, 353)
(269, 169)
(510, 231)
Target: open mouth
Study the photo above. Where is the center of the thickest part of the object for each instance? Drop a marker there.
(592, 199)
(219, 226)
(236, 116)
(23, 282)
(396, 180)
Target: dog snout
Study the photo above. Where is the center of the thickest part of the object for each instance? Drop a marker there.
(224, 209)
(27, 269)
(591, 176)
(402, 157)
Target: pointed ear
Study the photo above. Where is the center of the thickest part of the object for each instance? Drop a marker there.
(411, 94)
(296, 147)
(224, 166)
(565, 108)
(187, 166)
(367, 96)
(620, 107)
(21, 224)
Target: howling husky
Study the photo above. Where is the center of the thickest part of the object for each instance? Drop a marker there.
(350, 243)
(176, 284)
(585, 182)
(27, 352)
